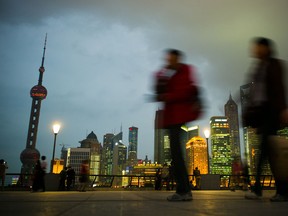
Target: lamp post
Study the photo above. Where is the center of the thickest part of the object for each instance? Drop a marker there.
(56, 128)
(207, 135)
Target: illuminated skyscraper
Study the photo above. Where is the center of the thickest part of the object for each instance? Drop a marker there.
(221, 147)
(95, 152)
(196, 155)
(106, 156)
(162, 153)
(251, 139)
(187, 133)
(119, 158)
(231, 112)
(133, 144)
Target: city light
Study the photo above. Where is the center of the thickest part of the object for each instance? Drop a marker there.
(207, 133)
(56, 128)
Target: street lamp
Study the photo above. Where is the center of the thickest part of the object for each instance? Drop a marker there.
(207, 135)
(56, 128)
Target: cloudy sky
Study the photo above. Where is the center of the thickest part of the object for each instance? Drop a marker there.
(101, 55)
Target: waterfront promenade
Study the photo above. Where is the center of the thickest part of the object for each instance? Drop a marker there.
(140, 203)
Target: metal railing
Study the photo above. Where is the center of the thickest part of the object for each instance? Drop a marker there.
(146, 181)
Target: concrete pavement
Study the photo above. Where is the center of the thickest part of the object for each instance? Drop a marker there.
(140, 203)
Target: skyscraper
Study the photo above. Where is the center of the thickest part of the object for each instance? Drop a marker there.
(75, 156)
(30, 154)
(119, 158)
(162, 153)
(251, 138)
(221, 146)
(109, 142)
(106, 156)
(93, 144)
(231, 112)
(196, 155)
(133, 144)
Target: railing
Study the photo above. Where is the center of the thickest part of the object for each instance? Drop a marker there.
(148, 181)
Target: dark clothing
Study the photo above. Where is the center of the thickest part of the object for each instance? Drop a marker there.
(37, 178)
(63, 176)
(266, 104)
(70, 178)
(180, 171)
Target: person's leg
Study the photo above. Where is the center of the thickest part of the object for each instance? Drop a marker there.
(180, 171)
(262, 158)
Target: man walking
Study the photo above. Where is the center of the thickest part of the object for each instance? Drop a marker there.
(175, 87)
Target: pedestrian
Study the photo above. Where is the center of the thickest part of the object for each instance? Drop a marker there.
(166, 176)
(3, 167)
(70, 177)
(44, 168)
(175, 86)
(84, 175)
(37, 177)
(267, 109)
(158, 180)
(197, 176)
(62, 179)
(237, 171)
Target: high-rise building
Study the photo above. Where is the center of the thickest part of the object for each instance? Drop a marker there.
(109, 142)
(106, 156)
(187, 133)
(196, 155)
(133, 144)
(231, 112)
(251, 138)
(92, 142)
(162, 153)
(75, 157)
(119, 158)
(221, 147)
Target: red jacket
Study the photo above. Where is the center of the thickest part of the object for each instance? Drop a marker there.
(178, 96)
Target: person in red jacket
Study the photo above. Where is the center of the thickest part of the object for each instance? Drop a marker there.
(175, 87)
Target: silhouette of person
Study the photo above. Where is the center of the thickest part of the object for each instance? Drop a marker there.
(70, 177)
(62, 179)
(267, 107)
(175, 87)
(3, 167)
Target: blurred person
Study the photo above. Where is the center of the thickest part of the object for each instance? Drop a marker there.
(197, 176)
(175, 87)
(62, 179)
(70, 177)
(158, 179)
(267, 109)
(37, 177)
(44, 168)
(237, 172)
(3, 167)
(84, 175)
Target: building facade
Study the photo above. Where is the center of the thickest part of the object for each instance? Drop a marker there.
(196, 155)
(75, 157)
(162, 153)
(221, 147)
(231, 112)
(133, 145)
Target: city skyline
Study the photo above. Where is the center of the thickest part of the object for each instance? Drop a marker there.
(101, 56)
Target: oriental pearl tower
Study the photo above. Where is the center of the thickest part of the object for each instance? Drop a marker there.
(30, 154)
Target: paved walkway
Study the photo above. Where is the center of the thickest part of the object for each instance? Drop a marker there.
(138, 203)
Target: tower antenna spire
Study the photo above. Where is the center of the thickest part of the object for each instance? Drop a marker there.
(44, 51)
